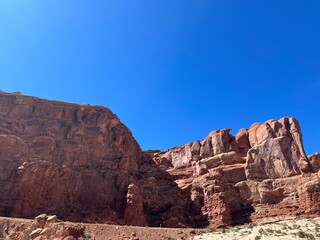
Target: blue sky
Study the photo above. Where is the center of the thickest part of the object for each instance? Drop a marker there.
(172, 70)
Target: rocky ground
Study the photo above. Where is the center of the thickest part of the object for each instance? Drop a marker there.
(291, 228)
(49, 227)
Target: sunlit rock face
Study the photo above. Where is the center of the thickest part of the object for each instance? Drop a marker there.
(71, 160)
(262, 171)
(81, 163)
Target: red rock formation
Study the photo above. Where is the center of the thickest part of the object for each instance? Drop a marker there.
(277, 150)
(252, 175)
(315, 161)
(134, 214)
(71, 160)
(81, 163)
(45, 227)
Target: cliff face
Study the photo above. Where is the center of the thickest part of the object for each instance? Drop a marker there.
(71, 160)
(263, 171)
(82, 164)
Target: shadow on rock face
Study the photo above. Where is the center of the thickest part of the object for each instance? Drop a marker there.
(165, 203)
(81, 163)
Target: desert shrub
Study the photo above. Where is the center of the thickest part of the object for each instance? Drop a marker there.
(269, 230)
(295, 226)
(88, 237)
(251, 225)
(169, 238)
(261, 231)
(302, 234)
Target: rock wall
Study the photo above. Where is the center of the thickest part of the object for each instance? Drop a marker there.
(261, 172)
(81, 163)
(66, 159)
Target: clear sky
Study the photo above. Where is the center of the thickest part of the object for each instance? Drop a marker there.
(172, 70)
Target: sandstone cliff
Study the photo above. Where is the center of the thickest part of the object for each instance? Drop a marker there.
(71, 160)
(263, 171)
(82, 164)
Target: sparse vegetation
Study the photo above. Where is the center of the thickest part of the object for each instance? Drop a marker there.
(293, 228)
(257, 237)
(251, 225)
(302, 234)
(278, 231)
(269, 230)
(169, 238)
(88, 237)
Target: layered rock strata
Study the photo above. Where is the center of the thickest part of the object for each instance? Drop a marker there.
(82, 164)
(71, 160)
(263, 171)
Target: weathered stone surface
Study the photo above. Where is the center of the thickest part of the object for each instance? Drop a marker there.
(283, 196)
(134, 214)
(40, 220)
(277, 150)
(223, 159)
(82, 164)
(315, 161)
(180, 155)
(239, 178)
(242, 142)
(218, 141)
(50, 230)
(52, 219)
(66, 159)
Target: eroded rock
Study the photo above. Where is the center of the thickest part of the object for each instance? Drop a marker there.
(82, 164)
(66, 159)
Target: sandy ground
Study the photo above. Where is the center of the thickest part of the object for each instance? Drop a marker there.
(291, 228)
(113, 232)
(109, 232)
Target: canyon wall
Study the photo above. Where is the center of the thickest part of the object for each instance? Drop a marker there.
(82, 164)
(66, 159)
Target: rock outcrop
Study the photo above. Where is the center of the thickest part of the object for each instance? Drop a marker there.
(46, 227)
(263, 171)
(315, 161)
(66, 159)
(82, 164)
